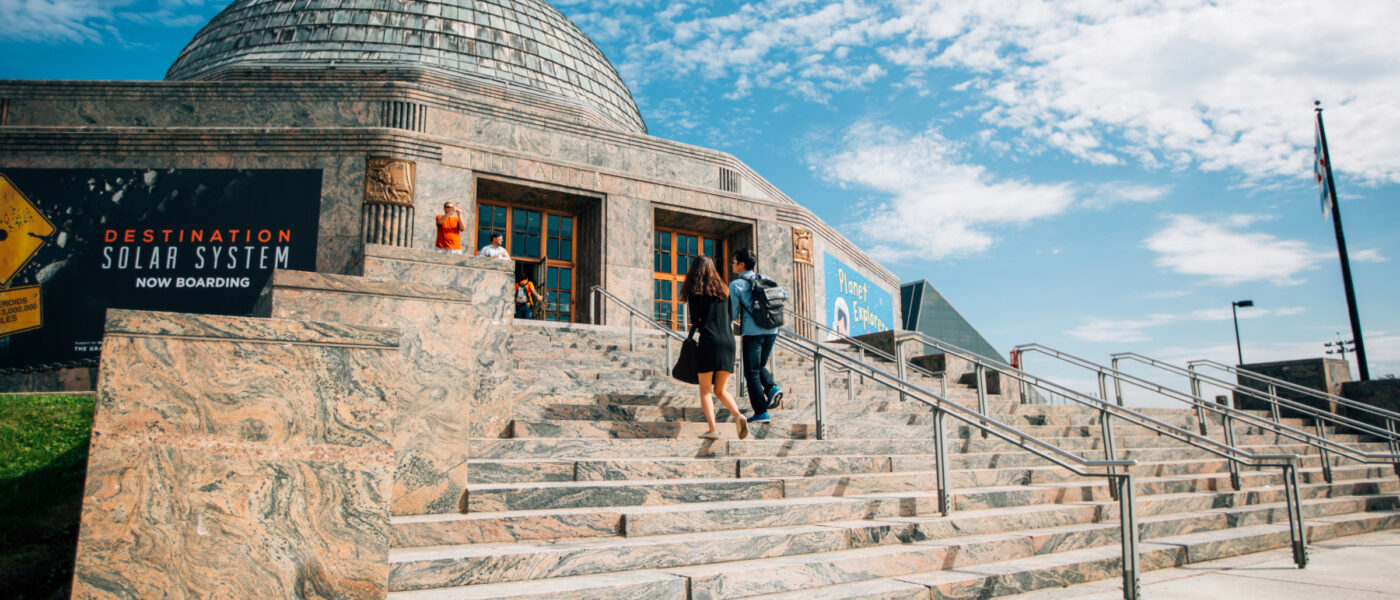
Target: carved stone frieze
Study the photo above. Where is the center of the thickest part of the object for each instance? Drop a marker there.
(801, 246)
(389, 181)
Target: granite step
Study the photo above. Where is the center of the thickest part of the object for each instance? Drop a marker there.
(500, 448)
(428, 530)
(527, 428)
(870, 589)
(837, 555)
(1071, 437)
(637, 585)
(448, 566)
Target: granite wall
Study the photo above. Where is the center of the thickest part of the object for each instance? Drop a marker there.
(1323, 374)
(490, 284)
(1380, 393)
(456, 359)
(238, 457)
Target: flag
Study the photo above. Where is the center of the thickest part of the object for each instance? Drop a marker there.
(1321, 168)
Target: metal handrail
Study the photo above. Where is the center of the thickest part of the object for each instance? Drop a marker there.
(1121, 483)
(1293, 387)
(1233, 455)
(865, 348)
(1322, 444)
(1273, 399)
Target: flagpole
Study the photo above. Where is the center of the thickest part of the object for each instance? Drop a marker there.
(1342, 251)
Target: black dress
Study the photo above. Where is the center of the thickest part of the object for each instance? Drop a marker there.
(710, 317)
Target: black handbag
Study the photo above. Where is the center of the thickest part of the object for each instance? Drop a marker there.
(687, 364)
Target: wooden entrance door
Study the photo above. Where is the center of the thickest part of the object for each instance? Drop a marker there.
(672, 253)
(544, 238)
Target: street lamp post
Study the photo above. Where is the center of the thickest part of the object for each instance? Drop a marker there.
(1234, 305)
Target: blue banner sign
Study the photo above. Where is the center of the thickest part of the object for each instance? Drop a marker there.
(855, 305)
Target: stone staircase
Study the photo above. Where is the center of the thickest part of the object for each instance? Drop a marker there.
(599, 488)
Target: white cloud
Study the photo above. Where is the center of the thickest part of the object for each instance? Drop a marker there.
(1209, 84)
(1106, 195)
(1119, 331)
(1371, 255)
(1165, 294)
(91, 20)
(938, 205)
(1135, 330)
(1224, 314)
(1219, 250)
(56, 20)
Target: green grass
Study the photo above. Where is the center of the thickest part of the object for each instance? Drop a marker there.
(43, 463)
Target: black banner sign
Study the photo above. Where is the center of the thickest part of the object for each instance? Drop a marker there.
(202, 241)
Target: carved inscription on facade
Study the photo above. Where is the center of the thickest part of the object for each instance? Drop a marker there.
(801, 246)
(389, 181)
(522, 168)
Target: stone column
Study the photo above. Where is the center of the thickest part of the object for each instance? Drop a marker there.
(804, 282)
(387, 216)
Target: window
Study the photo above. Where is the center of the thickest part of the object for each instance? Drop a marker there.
(525, 233)
(540, 238)
(489, 219)
(672, 254)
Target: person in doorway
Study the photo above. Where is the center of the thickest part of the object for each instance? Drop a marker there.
(449, 228)
(764, 394)
(707, 298)
(495, 249)
(526, 297)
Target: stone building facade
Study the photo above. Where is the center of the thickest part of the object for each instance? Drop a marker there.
(504, 107)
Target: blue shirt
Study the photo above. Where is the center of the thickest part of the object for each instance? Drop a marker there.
(741, 302)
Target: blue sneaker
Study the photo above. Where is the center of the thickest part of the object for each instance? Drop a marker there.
(775, 397)
(759, 418)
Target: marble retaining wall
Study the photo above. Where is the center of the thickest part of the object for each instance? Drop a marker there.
(456, 357)
(234, 457)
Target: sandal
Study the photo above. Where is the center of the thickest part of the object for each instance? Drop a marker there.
(742, 425)
(710, 435)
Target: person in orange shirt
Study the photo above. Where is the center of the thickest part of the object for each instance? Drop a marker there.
(526, 298)
(450, 226)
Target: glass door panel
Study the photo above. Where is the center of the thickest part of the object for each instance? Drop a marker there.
(489, 219)
(559, 293)
(526, 231)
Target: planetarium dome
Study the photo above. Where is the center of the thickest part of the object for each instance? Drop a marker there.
(516, 43)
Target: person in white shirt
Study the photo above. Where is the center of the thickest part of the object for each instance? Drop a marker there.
(495, 249)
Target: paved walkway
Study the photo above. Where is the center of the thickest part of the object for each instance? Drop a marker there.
(1362, 567)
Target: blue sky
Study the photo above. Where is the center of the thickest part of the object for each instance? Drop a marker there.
(1096, 176)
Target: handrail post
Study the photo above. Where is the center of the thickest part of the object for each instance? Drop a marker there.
(940, 440)
(1273, 403)
(593, 307)
(819, 404)
(668, 350)
(1322, 451)
(1025, 387)
(743, 384)
(1394, 443)
(1228, 424)
(1117, 384)
(1127, 508)
(1109, 451)
(1295, 515)
(851, 386)
(860, 353)
(899, 367)
(1201, 417)
(982, 395)
(631, 332)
